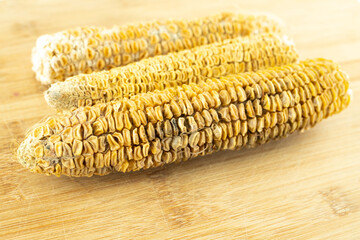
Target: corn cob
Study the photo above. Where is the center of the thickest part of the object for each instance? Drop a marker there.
(87, 49)
(213, 60)
(175, 124)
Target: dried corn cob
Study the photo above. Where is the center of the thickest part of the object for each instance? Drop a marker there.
(213, 60)
(173, 125)
(84, 50)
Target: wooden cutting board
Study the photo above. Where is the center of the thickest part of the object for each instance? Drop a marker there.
(304, 187)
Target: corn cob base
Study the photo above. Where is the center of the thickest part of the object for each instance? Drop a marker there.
(173, 125)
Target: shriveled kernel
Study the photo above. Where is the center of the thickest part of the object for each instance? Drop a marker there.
(199, 120)
(214, 115)
(88, 150)
(249, 109)
(194, 139)
(102, 144)
(127, 137)
(167, 129)
(78, 132)
(257, 107)
(225, 114)
(100, 64)
(234, 113)
(90, 53)
(68, 163)
(217, 132)
(66, 149)
(224, 97)
(135, 118)
(67, 135)
(207, 118)
(98, 128)
(39, 151)
(242, 113)
(54, 138)
(150, 131)
(167, 111)
(93, 141)
(138, 153)
(77, 147)
(112, 142)
(181, 124)
(192, 124)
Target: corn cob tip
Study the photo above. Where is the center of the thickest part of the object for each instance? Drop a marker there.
(36, 152)
(27, 153)
(44, 69)
(61, 95)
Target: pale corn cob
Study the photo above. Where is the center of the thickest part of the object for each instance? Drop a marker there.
(190, 66)
(173, 125)
(87, 49)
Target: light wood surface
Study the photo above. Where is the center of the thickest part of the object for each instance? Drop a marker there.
(304, 187)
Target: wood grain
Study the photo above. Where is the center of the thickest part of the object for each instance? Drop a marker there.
(303, 187)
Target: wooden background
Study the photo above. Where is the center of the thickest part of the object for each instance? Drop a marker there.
(303, 187)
